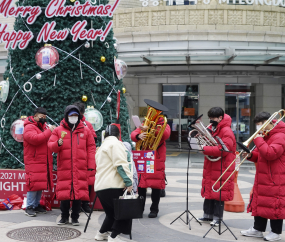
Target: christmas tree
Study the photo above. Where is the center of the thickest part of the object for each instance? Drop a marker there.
(85, 67)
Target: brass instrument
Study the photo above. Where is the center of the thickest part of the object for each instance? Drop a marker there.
(152, 139)
(201, 133)
(246, 144)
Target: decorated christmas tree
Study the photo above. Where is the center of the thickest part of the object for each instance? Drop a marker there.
(60, 52)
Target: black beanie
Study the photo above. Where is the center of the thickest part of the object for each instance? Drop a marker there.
(40, 110)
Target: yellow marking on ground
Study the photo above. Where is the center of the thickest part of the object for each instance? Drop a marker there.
(173, 154)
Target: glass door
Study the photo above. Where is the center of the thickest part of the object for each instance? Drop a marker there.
(240, 105)
(182, 102)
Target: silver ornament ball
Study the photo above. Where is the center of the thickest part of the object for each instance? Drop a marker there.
(109, 99)
(38, 76)
(87, 45)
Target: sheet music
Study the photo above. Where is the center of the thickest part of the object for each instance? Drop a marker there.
(136, 121)
(194, 144)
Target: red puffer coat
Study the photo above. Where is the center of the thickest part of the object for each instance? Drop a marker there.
(156, 180)
(212, 170)
(75, 157)
(37, 157)
(91, 174)
(268, 197)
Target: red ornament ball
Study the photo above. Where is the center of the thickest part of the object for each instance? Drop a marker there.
(17, 129)
(47, 57)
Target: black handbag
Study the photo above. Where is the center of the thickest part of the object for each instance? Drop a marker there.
(128, 207)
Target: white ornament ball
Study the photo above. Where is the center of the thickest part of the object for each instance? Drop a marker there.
(38, 76)
(87, 45)
(109, 99)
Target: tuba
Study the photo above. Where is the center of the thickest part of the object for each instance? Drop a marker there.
(203, 136)
(155, 131)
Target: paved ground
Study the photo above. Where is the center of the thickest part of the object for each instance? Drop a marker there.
(158, 229)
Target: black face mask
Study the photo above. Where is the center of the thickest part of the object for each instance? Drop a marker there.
(42, 120)
(214, 123)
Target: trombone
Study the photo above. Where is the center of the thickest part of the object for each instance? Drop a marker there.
(246, 144)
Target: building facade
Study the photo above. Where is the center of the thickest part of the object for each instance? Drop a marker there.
(197, 55)
(193, 55)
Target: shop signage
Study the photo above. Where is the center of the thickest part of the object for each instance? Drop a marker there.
(245, 112)
(189, 111)
(55, 8)
(146, 3)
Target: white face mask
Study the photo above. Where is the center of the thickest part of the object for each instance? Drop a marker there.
(258, 126)
(73, 119)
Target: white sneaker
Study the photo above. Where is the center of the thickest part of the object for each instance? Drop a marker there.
(117, 239)
(215, 222)
(101, 237)
(252, 233)
(272, 237)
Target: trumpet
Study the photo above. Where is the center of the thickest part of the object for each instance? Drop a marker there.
(244, 146)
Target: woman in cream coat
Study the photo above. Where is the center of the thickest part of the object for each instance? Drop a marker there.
(113, 176)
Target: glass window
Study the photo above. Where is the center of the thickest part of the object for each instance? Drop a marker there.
(240, 105)
(182, 102)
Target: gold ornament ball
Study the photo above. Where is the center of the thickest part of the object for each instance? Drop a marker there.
(72, 1)
(84, 98)
(103, 58)
(124, 90)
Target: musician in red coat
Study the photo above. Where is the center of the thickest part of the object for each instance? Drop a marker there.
(76, 155)
(91, 174)
(221, 127)
(155, 181)
(38, 160)
(268, 197)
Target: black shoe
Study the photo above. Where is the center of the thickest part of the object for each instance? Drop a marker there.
(205, 220)
(40, 209)
(75, 222)
(85, 207)
(162, 193)
(152, 214)
(63, 221)
(30, 211)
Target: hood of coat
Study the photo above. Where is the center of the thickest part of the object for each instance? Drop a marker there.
(31, 121)
(226, 122)
(65, 122)
(279, 128)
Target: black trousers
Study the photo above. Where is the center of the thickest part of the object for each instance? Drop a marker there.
(260, 224)
(155, 198)
(106, 198)
(212, 209)
(65, 206)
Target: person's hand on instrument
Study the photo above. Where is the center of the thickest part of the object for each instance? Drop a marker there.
(259, 135)
(52, 127)
(202, 149)
(60, 142)
(129, 189)
(244, 154)
(143, 128)
(142, 136)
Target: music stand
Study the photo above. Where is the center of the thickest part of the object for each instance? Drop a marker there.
(187, 211)
(220, 220)
(89, 217)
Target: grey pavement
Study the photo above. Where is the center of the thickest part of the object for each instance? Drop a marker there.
(171, 206)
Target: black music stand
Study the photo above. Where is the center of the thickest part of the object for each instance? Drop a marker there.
(187, 211)
(89, 217)
(220, 221)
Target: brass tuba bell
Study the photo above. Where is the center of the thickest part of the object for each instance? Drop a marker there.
(155, 131)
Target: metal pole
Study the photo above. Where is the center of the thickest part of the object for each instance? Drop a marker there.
(179, 130)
